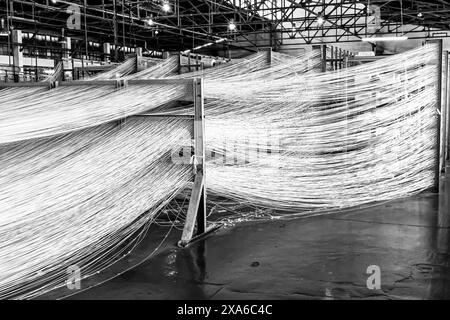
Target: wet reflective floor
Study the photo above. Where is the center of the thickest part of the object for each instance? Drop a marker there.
(311, 258)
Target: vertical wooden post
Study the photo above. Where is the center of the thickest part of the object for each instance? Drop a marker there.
(199, 136)
(196, 214)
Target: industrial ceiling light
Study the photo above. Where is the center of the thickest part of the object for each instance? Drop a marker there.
(166, 6)
(389, 38)
(3, 28)
(54, 1)
(232, 26)
(375, 39)
(420, 15)
(150, 22)
(320, 20)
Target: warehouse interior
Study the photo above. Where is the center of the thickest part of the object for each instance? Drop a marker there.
(224, 149)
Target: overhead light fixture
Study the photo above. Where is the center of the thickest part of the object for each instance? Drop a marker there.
(150, 22)
(232, 26)
(420, 14)
(3, 28)
(54, 1)
(320, 20)
(166, 6)
(375, 39)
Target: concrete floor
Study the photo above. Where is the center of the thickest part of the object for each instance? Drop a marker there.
(311, 258)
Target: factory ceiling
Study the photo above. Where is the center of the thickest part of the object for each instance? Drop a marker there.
(186, 24)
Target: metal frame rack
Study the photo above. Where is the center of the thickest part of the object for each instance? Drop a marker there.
(195, 225)
(193, 92)
(446, 109)
(442, 118)
(337, 58)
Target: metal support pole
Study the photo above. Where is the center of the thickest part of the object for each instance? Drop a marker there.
(324, 58)
(82, 65)
(189, 62)
(116, 42)
(332, 56)
(17, 54)
(86, 31)
(336, 59)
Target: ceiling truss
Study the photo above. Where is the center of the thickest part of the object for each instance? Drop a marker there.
(191, 23)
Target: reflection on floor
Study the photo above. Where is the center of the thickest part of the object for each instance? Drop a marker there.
(312, 258)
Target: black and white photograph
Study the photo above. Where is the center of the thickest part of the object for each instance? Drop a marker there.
(224, 156)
